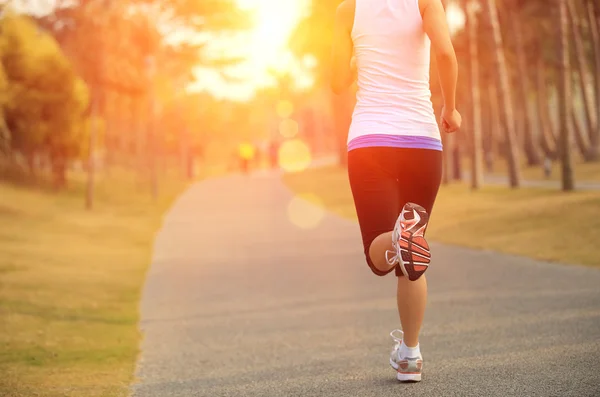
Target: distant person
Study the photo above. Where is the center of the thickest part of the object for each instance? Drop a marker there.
(259, 153)
(394, 143)
(489, 161)
(274, 154)
(547, 167)
(246, 152)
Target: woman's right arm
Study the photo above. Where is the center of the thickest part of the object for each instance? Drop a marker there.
(436, 27)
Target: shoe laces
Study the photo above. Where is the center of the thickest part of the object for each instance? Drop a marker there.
(397, 335)
(391, 260)
(394, 258)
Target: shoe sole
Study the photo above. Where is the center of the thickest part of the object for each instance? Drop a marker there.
(405, 376)
(414, 255)
(409, 378)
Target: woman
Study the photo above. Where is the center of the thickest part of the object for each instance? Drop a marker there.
(394, 144)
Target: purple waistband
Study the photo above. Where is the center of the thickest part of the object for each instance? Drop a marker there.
(399, 141)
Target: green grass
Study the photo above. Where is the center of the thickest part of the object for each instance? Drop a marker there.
(539, 223)
(70, 283)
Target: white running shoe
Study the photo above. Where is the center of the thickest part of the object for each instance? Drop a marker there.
(411, 251)
(408, 369)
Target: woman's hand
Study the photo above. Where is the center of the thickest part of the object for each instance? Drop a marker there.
(451, 120)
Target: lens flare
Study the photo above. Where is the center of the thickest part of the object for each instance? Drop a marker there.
(294, 156)
(285, 109)
(246, 151)
(455, 17)
(306, 211)
(288, 128)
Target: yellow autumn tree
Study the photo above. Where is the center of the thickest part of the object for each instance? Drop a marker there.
(4, 98)
(48, 102)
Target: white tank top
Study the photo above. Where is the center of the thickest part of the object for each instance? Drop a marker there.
(392, 55)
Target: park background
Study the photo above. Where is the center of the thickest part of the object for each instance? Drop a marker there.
(109, 110)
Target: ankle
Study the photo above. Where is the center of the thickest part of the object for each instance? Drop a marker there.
(410, 351)
(410, 342)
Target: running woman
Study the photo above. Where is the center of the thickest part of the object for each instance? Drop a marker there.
(394, 143)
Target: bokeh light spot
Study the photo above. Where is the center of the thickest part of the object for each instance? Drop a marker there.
(455, 17)
(309, 61)
(246, 151)
(294, 156)
(288, 128)
(285, 109)
(306, 211)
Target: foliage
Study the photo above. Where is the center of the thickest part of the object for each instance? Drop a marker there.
(45, 110)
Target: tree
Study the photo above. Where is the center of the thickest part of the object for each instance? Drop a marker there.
(313, 37)
(592, 151)
(565, 97)
(505, 97)
(531, 146)
(4, 100)
(593, 13)
(477, 146)
(45, 114)
(114, 63)
(548, 136)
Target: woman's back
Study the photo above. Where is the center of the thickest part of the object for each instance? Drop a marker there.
(393, 59)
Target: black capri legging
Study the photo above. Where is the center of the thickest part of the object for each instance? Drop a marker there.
(383, 179)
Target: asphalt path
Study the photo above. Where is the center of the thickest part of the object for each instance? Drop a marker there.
(249, 295)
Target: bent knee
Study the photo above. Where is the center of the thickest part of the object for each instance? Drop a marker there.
(376, 270)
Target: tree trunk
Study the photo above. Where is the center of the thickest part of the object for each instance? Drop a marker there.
(579, 132)
(580, 63)
(546, 135)
(592, 9)
(116, 128)
(531, 148)
(505, 97)
(457, 165)
(477, 145)
(489, 136)
(448, 157)
(185, 152)
(108, 133)
(59, 170)
(519, 125)
(4, 134)
(30, 160)
(91, 166)
(496, 133)
(565, 99)
(151, 125)
(137, 114)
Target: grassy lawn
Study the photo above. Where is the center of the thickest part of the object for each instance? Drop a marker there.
(583, 172)
(539, 223)
(70, 283)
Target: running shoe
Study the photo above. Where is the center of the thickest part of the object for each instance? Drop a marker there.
(411, 251)
(408, 369)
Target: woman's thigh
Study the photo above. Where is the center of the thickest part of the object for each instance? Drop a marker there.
(419, 174)
(374, 185)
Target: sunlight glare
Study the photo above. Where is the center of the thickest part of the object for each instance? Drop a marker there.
(288, 128)
(263, 50)
(285, 108)
(306, 211)
(273, 24)
(455, 17)
(294, 156)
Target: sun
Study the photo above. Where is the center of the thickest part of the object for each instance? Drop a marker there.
(273, 22)
(263, 51)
